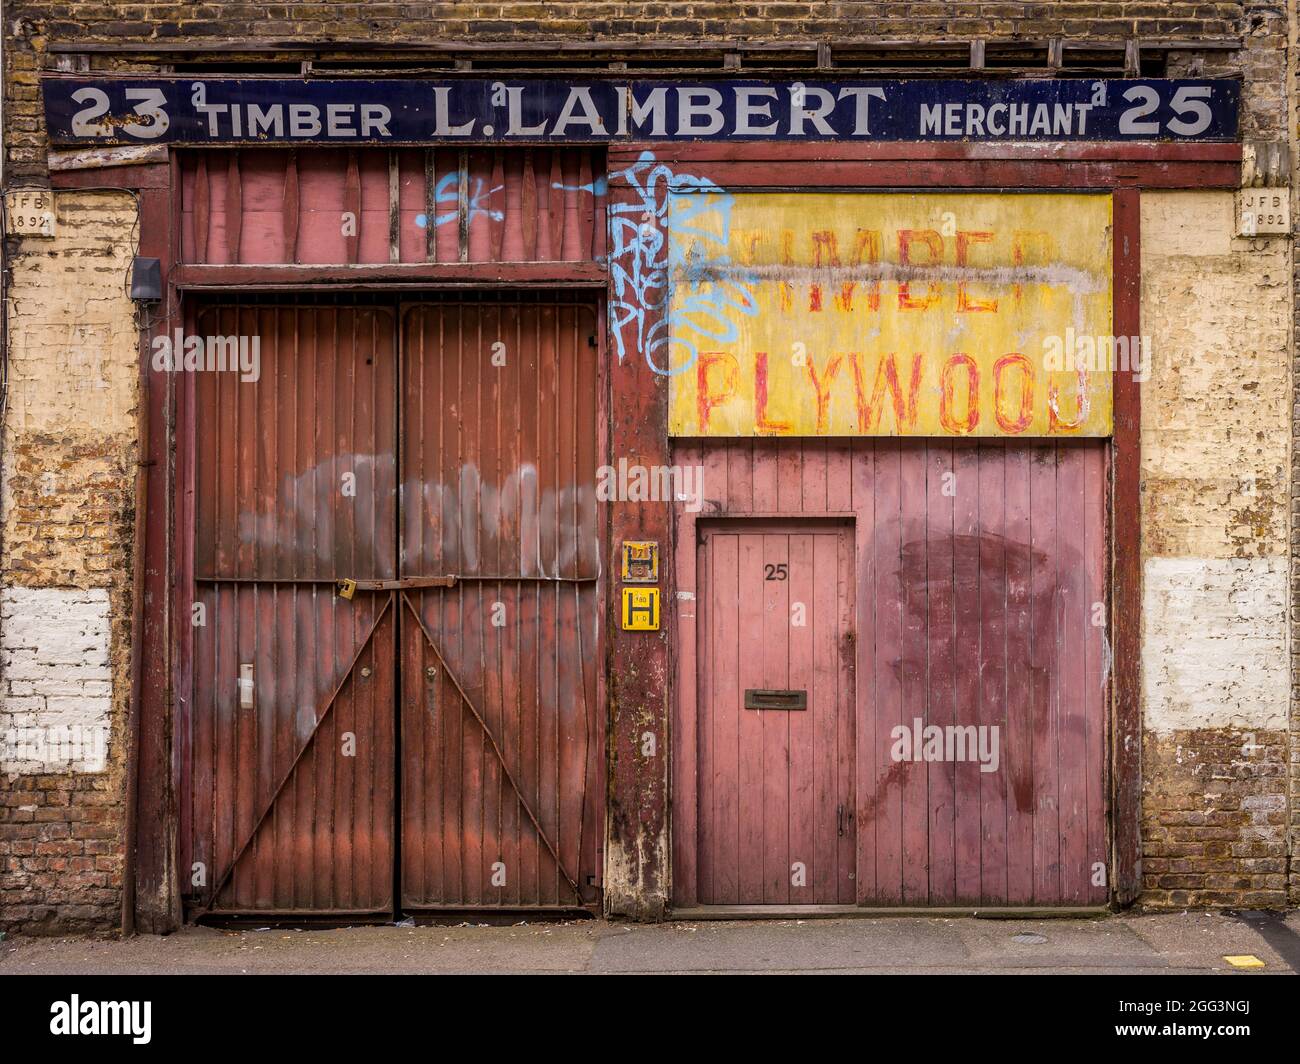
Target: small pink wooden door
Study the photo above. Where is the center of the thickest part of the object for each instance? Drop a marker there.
(775, 738)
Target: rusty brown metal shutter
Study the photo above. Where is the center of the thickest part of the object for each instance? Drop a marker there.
(280, 816)
(501, 780)
(289, 484)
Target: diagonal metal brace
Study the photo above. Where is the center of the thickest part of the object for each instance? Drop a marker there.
(496, 749)
(219, 884)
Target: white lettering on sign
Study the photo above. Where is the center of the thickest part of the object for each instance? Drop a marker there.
(654, 107)
(816, 114)
(748, 109)
(1002, 119)
(303, 120)
(699, 112)
(515, 110)
(265, 120)
(417, 111)
(581, 109)
(861, 103)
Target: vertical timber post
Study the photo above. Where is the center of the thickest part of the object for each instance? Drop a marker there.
(636, 856)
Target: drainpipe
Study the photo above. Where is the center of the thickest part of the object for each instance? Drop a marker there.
(137, 640)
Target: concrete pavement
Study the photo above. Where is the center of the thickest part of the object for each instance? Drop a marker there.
(1155, 944)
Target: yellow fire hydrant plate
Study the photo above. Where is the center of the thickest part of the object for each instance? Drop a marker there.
(640, 609)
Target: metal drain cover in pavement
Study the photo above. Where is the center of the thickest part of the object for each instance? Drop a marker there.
(1029, 937)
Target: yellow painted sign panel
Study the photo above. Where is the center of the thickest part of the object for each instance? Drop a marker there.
(640, 609)
(886, 314)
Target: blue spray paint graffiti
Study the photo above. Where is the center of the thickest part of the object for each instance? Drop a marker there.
(594, 188)
(703, 307)
(447, 193)
(644, 265)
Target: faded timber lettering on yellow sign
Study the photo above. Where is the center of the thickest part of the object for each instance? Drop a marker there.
(885, 314)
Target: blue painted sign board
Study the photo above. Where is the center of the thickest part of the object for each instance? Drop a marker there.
(275, 111)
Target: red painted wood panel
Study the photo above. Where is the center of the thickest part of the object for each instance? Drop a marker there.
(775, 801)
(935, 561)
(991, 515)
(331, 206)
(967, 642)
(909, 661)
(750, 797)
(1018, 748)
(978, 570)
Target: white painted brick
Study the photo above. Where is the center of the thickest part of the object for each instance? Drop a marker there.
(1215, 652)
(56, 695)
(71, 683)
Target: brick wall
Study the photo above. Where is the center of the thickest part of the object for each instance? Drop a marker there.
(56, 696)
(65, 599)
(719, 19)
(1293, 138)
(1215, 556)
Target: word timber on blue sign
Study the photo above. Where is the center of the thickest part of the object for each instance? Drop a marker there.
(274, 111)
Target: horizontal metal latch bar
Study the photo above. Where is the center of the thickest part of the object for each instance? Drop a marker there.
(347, 588)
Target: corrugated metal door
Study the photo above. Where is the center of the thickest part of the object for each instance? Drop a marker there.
(501, 733)
(289, 743)
(380, 205)
(775, 733)
(296, 740)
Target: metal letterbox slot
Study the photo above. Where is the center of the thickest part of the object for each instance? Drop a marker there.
(768, 699)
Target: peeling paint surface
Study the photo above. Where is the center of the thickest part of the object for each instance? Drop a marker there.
(1214, 450)
(1215, 653)
(56, 694)
(939, 314)
(1215, 467)
(70, 453)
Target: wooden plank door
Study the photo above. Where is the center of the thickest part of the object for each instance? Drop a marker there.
(775, 784)
(985, 674)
